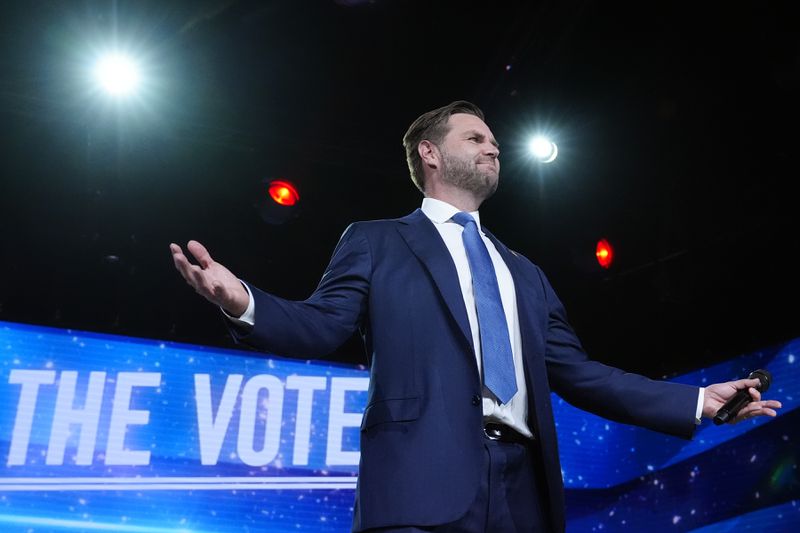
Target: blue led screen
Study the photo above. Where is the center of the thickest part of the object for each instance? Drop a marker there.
(102, 432)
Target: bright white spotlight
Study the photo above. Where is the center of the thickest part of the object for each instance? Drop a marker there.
(543, 149)
(117, 74)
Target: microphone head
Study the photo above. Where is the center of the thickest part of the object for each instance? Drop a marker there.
(763, 376)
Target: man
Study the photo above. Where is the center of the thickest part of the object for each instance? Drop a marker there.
(466, 339)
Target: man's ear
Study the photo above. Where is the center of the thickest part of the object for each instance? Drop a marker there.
(429, 153)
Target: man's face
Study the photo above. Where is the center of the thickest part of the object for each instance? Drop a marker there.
(470, 156)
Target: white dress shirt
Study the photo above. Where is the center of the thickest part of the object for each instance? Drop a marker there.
(515, 412)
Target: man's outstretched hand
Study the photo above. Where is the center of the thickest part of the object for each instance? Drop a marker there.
(717, 394)
(210, 279)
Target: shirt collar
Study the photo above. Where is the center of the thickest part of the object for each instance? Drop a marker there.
(440, 212)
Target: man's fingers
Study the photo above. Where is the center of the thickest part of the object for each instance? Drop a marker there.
(176, 252)
(198, 279)
(200, 253)
(761, 411)
(181, 262)
(203, 279)
(183, 265)
(760, 408)
(193, 274)
(740, 384)
(755, 394)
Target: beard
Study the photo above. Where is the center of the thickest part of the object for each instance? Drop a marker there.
(468, 176)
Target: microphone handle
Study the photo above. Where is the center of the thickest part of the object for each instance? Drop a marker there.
(731, 407)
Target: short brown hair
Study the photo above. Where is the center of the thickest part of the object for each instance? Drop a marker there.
(432, 126)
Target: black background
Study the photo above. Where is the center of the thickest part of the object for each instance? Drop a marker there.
(676, 124)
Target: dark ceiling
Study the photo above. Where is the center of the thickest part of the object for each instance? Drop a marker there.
(676, 124)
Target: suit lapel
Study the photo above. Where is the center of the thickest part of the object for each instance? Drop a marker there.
(526, 300)
(512, 262)
(426, 243)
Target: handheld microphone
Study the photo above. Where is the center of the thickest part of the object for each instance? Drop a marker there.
(728, 411)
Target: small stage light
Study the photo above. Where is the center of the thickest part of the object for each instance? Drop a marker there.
(604, 253)
(281, 204)
(117, 74)
(543, 149)
(283, 193)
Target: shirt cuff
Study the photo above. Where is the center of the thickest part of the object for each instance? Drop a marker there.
(248, 318)
(698, 413)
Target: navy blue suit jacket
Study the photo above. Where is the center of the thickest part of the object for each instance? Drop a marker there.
(421, 436)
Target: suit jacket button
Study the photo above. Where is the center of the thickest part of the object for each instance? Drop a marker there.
(476, 400)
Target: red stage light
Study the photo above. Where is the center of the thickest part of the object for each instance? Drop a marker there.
(283, 193)
(604, 253)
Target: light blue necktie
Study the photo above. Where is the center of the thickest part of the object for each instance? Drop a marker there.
(498, 363)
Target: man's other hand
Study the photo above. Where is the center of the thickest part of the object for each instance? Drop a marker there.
(717, 394)
(210, 279)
